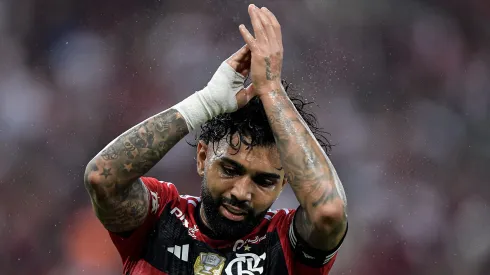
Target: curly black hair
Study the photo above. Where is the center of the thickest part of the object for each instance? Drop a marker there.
(251, 121)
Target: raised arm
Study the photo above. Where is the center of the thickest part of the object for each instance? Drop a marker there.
(119, 198)
(321, 219)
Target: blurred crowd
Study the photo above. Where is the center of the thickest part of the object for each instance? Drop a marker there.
(403, 88)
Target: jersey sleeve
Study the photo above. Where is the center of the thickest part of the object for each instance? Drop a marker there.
(160, 194)
(301, 257)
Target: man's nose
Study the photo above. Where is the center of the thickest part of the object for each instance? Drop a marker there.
(242, 189)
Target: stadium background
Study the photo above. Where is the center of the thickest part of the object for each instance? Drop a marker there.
(402, 86)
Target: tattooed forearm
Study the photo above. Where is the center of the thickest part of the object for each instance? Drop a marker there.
(327, 196)
(308, 170)
(111, 176)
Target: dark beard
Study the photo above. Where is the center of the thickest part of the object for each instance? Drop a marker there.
(224, 228)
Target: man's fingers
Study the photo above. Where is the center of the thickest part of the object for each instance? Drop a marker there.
(267, 24)
(239, 57)
(275, 25)
(248, 38)
(247, 57)
(243, 50)
(241, 53)
(244, 64)
(259, 31)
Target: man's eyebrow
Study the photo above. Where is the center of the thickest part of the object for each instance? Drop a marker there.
(242, 168)
(234, 163)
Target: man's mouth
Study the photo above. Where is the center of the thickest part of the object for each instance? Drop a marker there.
(234, 210)
(232, 213)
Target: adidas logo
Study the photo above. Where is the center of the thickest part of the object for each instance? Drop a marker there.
(181, 252)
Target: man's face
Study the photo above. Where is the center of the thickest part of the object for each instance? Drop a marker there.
(238, 188)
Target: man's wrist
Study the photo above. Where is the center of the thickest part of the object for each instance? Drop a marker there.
(218, 97)
(270, 89)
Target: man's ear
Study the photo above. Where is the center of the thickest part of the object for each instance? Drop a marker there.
(202, 150)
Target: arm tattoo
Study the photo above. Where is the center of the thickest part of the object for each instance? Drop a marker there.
(124, 211)
(268, 70)
(315, 239)
(120, 200)
(308, 169)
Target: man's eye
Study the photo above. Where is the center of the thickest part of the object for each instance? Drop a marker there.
(265, 182)
(229, 171)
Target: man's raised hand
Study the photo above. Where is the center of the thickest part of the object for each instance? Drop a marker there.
(266, 48)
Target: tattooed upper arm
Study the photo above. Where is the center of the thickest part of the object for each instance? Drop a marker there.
(123, 211)
(119, 198)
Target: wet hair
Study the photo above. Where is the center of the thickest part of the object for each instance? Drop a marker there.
(252, 126)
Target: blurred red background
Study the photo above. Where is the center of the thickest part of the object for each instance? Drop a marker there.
(402, 86)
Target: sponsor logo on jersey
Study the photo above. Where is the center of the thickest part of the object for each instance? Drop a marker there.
(241, 243)
(209, 264)
(178, 213)
(192, 231)
(246, 264)
(181, 252)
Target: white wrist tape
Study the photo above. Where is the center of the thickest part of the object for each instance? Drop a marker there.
(218, 97)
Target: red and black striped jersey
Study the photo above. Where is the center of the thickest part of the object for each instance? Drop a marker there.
(170, 242)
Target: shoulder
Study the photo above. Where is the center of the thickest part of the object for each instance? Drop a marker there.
(279, 219)
(153, 183)
(279, 215)
(190, 199)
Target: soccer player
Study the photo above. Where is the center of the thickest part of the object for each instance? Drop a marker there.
(253, 141)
